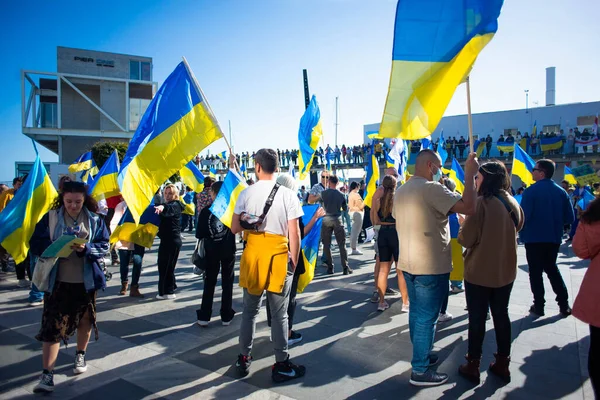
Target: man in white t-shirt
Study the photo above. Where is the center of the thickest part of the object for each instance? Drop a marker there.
(268, 261)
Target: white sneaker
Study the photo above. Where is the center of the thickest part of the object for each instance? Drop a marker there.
(23, 283)
(203, 324)
(36, 303)
(80, 365)
(405, 308)
(356, 253)
(445, 317)
(159, 297)
(170, 296)
(383, 306)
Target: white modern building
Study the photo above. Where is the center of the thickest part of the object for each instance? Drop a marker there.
(94, 96)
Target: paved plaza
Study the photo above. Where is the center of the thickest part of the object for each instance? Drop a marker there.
(152, 349)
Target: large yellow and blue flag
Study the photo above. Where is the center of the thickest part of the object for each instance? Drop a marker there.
(177, 125)
(548, 144)
(106, 183)
(142, 234)
(83, 163)
(569, 177)
(224, 204)
(20, 216)
(523, 166)
(506, 147)
(457, 174)
(372, 178)
(309, 136)
(436, 43)
(192, 177)
(309, 246)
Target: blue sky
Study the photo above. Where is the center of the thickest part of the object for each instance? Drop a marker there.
(248, 57)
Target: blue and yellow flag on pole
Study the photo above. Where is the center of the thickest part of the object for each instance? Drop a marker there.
(244, 171)
(309, 136)
(534, 130)
(457, 174)
(212, 172)
(177, 125)
(586, 199)
(523, 166)
(373, 135)
(106, 184)
(441, 148)
(224, 204)
(142, 234)
(86, 176)
(20, 216)
(479, 146)
(372, 178)
(436, 43)
(569, 177)
(309, 246)
(83, 163)
(192, 177)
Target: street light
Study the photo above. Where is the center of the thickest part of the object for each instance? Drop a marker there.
(526, 101)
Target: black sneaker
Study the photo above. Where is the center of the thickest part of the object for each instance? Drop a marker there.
(286, 371)
(46, 384)
(536, 310)
(433, 360)
(428, 378)
(391, 292)
(566, 311)
(80, 365)
(330, 271)
(294, 338)
(243, 364)
(348, 270)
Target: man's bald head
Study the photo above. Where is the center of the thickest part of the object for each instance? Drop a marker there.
(391, 172)
(427, 164)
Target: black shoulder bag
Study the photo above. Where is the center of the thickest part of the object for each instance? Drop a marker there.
(510, 210)
(252, 222)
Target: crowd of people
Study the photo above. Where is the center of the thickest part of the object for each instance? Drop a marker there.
(415, 226)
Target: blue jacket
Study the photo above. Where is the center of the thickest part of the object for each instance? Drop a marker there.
(547, 210)
(95, 250)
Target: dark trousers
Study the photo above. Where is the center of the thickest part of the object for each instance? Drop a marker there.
(479, 298)
(541, 258)
(168, 252)
(291, 310)
(223, 260)
(23, 268)
(114, 257)
(594, 359)
(187, 222)
(334, 225)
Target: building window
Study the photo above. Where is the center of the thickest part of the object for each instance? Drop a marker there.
(139, 70)
(511, 131)
(551, 128)
(137, 108)
(48, 115)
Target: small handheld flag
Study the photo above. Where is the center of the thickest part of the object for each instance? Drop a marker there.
(83, 163)
(224, 204)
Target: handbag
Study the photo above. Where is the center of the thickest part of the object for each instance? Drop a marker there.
(44, 265)
(198, 258)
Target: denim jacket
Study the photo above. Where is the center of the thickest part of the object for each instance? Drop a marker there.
(95, 249)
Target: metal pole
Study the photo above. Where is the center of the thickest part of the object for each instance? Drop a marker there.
(526, 101)
(470, 117)
(230, 141)
(336, 120)
(306, 91)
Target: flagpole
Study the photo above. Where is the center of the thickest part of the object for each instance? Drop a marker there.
(469, 116)
(201, 94)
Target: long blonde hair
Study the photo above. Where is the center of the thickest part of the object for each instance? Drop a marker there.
(173, 189)
(387, 200)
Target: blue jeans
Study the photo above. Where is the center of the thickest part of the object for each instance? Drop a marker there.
(348, 221)
(34, 294)
(426, 294)
(125, 256)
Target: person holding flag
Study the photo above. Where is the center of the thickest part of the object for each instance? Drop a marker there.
(547, 210)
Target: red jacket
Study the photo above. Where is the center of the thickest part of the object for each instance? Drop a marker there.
(586, 245)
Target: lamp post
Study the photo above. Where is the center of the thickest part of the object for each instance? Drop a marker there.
(526, 101)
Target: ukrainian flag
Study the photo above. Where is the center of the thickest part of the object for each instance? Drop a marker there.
(188, 203)
(507, 148)
(222, 155)
(548, 144)
(192, 177)
(89, 174)
(441, 149)
(373, 135)
(534, 130)
(479, 146)
(83, 163)
(309, 246)
(569, 177)
(224, 204)
(586, 199)
(244, 171)
(212, 173)
(177, 125)
(372, 178)
(106, 184)
(142, 234)
(309, 136)
(457, 174)
(523, 166)
(436, 43)
(20, 216)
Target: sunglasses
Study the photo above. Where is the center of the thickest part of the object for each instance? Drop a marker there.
(536, 169)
